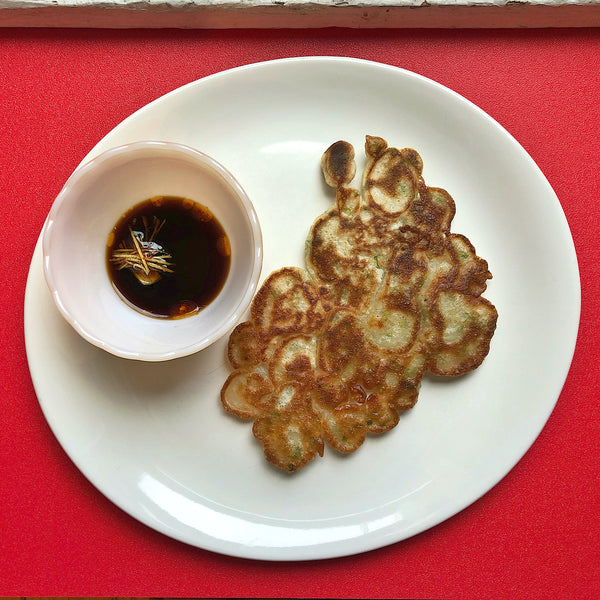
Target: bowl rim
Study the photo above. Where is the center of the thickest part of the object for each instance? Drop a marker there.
(245, 202)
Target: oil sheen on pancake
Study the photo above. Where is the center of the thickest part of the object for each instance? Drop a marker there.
(337, 350)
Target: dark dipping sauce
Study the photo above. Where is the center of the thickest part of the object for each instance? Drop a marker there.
(178, 262)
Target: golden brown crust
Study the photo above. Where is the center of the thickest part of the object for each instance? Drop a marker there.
(338, 349)
(338, 164)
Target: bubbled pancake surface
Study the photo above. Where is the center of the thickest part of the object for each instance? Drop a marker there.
(338, 349)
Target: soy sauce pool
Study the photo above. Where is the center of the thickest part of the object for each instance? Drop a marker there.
(168, 257)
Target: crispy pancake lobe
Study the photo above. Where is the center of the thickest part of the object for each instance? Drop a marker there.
(338, 349)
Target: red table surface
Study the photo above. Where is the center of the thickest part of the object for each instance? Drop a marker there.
(534, 535)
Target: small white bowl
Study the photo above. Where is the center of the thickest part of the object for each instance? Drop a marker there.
(76, 234)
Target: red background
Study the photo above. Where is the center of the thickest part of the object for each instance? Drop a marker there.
(535, 535)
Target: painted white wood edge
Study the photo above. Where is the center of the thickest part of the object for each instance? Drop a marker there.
(219, 14)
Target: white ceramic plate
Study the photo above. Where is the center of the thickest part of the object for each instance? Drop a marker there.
(155, 439)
